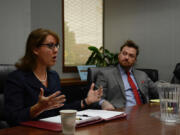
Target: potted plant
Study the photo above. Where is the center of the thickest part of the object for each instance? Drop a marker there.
(101, 57)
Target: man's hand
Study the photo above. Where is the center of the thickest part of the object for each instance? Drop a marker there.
(94, 95)
(107, 106)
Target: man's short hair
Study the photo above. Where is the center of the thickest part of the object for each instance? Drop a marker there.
(130, 43)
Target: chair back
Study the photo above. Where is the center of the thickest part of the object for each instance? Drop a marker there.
(5, 69)
(176, 76)
(93, 71)
(152, 73)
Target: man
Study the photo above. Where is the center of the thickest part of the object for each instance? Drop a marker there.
(123, 85)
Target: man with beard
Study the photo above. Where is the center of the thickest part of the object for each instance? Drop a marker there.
(123, 85)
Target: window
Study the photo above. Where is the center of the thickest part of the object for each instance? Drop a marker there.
(82, 27)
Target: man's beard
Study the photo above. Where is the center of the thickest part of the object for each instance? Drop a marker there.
(125, 65)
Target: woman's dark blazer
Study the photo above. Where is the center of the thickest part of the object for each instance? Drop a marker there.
(22, 91)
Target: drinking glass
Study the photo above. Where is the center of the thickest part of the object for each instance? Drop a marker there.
(169, 95)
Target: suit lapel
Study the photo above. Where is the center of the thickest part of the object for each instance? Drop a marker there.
(32, 80)
(138, 80)
(35, 84)
(51, 81)
(119, 80)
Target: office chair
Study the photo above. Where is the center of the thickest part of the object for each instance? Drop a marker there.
(176, 76)
(93, 72)
(5, 69)
(152, 73)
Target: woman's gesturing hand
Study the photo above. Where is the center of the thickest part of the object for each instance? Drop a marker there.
(51, 102)
(47, 103)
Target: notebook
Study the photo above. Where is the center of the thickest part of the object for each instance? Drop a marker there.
(83, 118)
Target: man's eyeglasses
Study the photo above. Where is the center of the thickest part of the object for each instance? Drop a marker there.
(51, 46)
(130, 55)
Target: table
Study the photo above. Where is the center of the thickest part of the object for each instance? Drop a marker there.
(137, 122)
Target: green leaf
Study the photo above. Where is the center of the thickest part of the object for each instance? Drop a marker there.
(101, 57)
(93, 49)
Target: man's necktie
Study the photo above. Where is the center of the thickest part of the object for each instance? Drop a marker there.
(134, 89)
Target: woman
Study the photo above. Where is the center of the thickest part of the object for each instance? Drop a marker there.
(33, 90)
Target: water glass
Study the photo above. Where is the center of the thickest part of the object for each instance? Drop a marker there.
(169, 95)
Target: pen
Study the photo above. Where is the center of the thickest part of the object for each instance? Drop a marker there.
(83, 115)
(78, 119)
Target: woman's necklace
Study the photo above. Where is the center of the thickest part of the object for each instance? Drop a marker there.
(39, 78)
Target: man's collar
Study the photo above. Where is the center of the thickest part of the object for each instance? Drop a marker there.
(122, 69)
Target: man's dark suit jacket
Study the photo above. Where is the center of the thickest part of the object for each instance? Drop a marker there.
(22, 91)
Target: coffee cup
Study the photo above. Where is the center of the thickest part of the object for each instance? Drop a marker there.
(68, 121)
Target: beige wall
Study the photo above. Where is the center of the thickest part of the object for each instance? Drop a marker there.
(153, 24)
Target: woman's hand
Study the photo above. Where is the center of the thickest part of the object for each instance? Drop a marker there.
(51, 102)
(47, 103)
(94, 95)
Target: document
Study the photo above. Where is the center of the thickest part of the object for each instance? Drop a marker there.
(80, 119)
(89, 115)
(103, 114)
(83, 118)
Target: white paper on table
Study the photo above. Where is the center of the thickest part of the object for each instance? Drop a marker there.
(86, 116)
(79, 119)
(104, 114)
